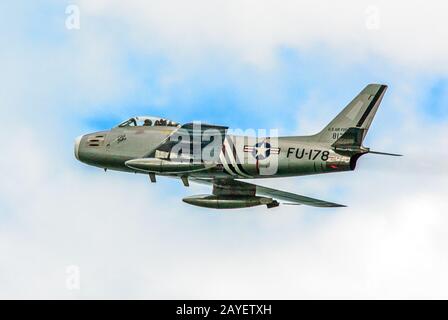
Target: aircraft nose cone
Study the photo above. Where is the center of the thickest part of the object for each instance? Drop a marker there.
(77, 142)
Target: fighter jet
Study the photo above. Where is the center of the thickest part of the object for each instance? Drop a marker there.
(212, 155)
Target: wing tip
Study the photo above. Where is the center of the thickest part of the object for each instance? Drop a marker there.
(335, 205)
(326, 205)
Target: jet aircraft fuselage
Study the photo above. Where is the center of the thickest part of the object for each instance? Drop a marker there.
(212, 155)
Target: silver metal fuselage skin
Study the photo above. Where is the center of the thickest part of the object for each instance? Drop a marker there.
(295, 156)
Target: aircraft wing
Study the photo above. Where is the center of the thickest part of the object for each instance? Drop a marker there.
(190, 135)
(231, 187)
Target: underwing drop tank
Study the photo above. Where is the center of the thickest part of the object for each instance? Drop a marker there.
(229, 202)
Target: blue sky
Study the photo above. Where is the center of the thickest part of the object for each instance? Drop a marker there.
(271, 65)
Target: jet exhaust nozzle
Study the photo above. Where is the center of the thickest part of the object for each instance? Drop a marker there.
(228, 202)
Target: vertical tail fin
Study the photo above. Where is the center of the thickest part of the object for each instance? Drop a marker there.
(357, 114)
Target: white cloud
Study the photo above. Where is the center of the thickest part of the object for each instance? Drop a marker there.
(409, 33)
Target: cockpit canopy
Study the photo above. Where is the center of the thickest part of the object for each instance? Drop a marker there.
(148, 122)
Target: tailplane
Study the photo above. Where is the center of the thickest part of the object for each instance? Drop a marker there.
(351, 143)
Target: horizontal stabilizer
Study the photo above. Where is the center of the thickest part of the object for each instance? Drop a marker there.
(386, 153)
(352, 137)
(351, 142)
